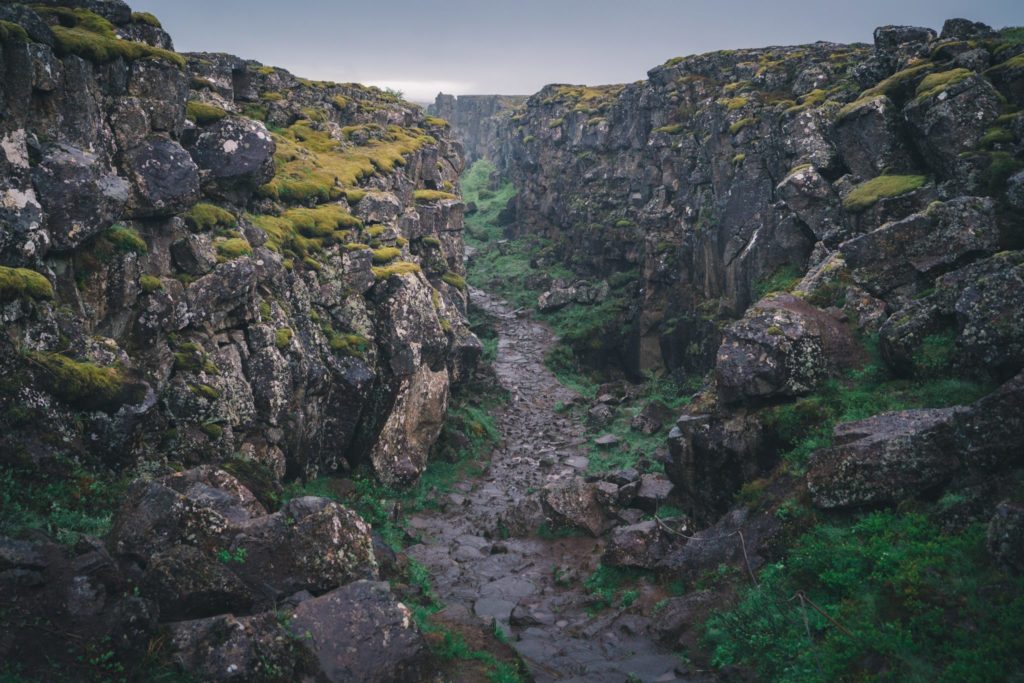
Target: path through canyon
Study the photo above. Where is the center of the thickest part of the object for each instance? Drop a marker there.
(533, 586)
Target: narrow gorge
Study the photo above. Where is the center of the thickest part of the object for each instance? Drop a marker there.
(713, 376)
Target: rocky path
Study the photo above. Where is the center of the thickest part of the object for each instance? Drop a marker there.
(533, 587)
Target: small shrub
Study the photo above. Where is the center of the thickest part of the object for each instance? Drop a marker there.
(23, 283)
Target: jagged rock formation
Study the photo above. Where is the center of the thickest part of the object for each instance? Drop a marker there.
(210, 261)
(476, 120)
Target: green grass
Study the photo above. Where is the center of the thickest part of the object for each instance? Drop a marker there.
(23, 283)
(867, 194)
(385, 255)
(914, 604)
(233, 248)
(301, 231)
(612, 587)
(146, 18)
(80, 383)
(150, 284)
(90, 36)
(65, 502)
(198, 112)
(203, 217)
(806, 424)
(782, 280)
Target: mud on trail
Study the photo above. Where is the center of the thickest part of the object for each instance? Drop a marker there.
(487, 564)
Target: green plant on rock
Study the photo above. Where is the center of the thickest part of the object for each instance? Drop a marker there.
(146, 18)
(455, 280)
(782, 280)
(867, 194)
(202, 113)
(124, 239)
(23, 283)
(283, 338)
(150, 284)
(79, 382)
(233, 248)
(86, 34)
(433, 196)
(395, 268)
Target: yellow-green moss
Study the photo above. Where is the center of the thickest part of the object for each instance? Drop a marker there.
(271, 96)
(356, 246)
(12, 33)
(432, 195)
(739, 158)
(354, 195)
(386, 255)
(232, 248)
(671, 129)
(201, 113)
(312, 263)
(436, 122)
(339, 101)
(150, 284)
(302, 230)
(313, 166)
(431, 241)
(204, 390)
(811, 99)
(867, 194)
(125, 239)
(935, 83)
(213, 430)
(349, 344)
(283, 338)
(734, 103)
(455, 280)
(741, 124)
(78, 382)
(90, 36)
(203, 217)
(555, 123)
(145, 18)
(23, 283)
(265, 311)
(396, 268)
(375, 230)
(265, 70)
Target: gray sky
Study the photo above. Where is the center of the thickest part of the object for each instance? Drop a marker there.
(517, 46)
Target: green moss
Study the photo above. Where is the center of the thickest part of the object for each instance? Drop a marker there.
(782, 280)
(283, 338)
(312, 263)
(205, 391)
(739, 158)
(266, 70)
(203, 217)
(90, 36)
(1001, 166)
(145, 18)
(996, 135)
(455, 280)
(396, 268)
(213, 430)
(232, 248)
(935, 83)
(432, 195)
(385, 255)
(555, 123)
(124, 239)
(436, 122)
(271, 96)
(734, 103)
(431, 241)
(12, 33)
(775, 331)
(150, 284)
(354, 195)
(671, 129)
(255, 112)
(356, 246)
(303, 231)
(265, 311)
(77, 382)
(375, 230)
(741, 124)
(348, 344)
(339, 101)
(22, 283)
(198, 112)
(867, 194)
(811, 99)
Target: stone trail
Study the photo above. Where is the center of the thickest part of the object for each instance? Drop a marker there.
(512, 581)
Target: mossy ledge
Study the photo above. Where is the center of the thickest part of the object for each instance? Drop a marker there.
(80, 383)
(867, 194)
(23, 283)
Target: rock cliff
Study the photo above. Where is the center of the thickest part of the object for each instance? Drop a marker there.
(205, 261)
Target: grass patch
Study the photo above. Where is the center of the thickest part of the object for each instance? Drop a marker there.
(86, 34)
(396, 268)
(935, 83)
(867, 194)
(79, 383)
(298, 232)
(150, 284)
(914, 604)
(232, 248)
(123, 239)
(202, 114)
(433, 196)
(311, 165)
(385, 255)
(146, 18)
(203, 217)
(782, 280)
(23, 283)
(283, 338)
(455, 280)
(610, 587)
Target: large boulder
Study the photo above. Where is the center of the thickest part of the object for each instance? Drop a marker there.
(905, 256)
(361, 633)
(574, 504)
(950, 117)
(235, 156)
(165, 180)
(883, 459)
(80, 195)
(870, 140)
(783, 347)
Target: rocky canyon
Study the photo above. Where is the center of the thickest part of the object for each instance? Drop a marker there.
(713, 376)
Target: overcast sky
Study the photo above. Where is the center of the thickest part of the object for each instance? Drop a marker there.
(517, 46)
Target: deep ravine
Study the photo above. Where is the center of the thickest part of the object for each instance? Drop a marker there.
(484, 562)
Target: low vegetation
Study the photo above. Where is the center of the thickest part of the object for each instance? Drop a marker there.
(869, 193)
(202, 114)
(86, 34)
(23, 283)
